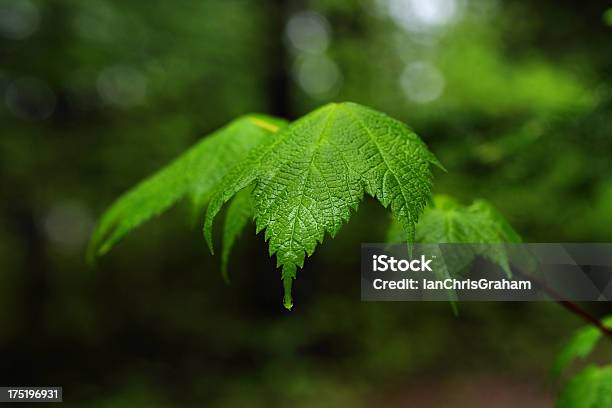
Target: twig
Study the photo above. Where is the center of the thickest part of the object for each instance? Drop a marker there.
(576, 309)
(568, 304)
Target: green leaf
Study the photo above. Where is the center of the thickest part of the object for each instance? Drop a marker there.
(592, 388)
(194, 173)
(309, 179)
(447, 221)
(580, 345)
(607, 17)
(239, 213)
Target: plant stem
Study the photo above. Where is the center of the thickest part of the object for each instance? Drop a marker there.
(568, 304)
(586, 316)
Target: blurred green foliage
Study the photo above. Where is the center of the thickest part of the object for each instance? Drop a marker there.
(592, 387)
(512, 96)
(580, 345)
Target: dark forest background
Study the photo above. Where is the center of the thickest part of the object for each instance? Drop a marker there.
(514, 97)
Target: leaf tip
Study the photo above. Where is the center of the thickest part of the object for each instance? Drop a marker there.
(287, 298)
(102, 249)
(226, 279)
(438, 164)
(90, 255)
(288, 275)
(90, 251)
(225, 255)
(207, 230)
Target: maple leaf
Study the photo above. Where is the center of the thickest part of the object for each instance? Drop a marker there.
(310, 177)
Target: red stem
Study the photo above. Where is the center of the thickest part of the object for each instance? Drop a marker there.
(569, 305)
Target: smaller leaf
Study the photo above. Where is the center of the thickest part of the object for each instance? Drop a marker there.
(241, 176)
(239, 213)
(195, 173)
(591, 388)
(447, 221)
(580, 345)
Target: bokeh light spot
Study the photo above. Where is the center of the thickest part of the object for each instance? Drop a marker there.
(308, 32)
(122, 86)
(96, 20)
(422, 15)
(18, 19)
(67, 225)
(317, 75)
(422, 82)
